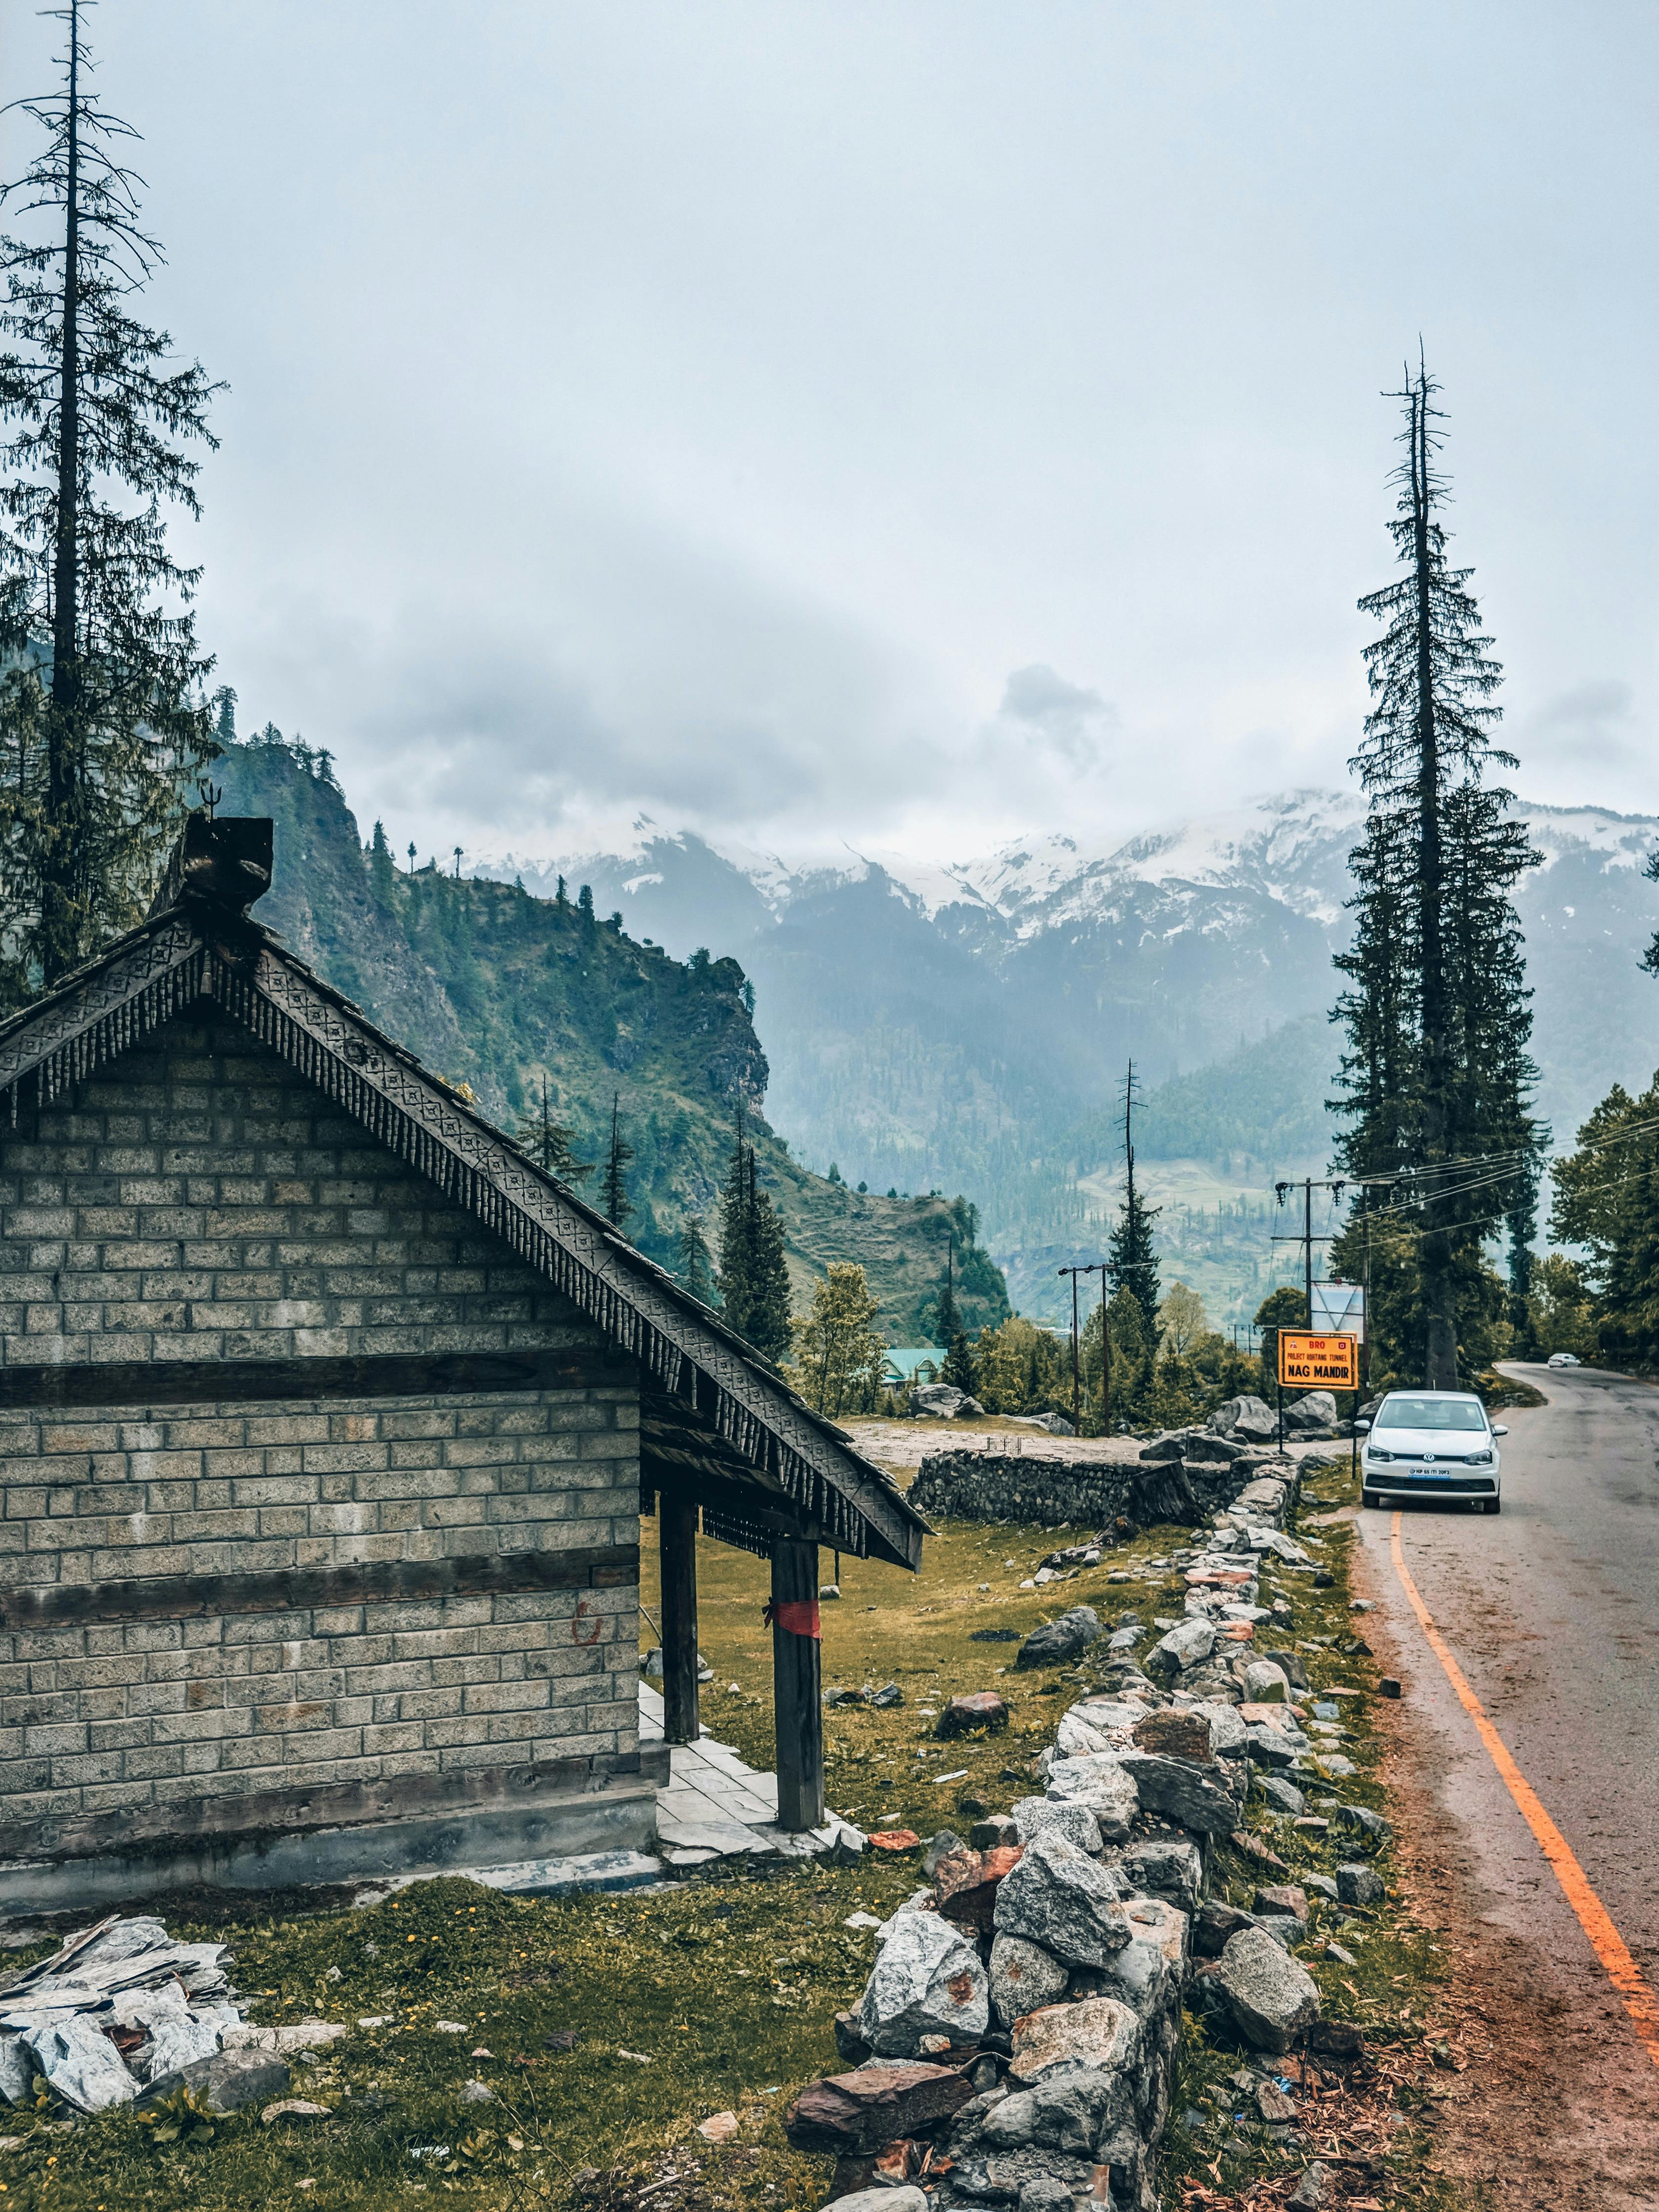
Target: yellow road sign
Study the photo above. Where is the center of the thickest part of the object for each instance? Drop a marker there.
(1317, 1362)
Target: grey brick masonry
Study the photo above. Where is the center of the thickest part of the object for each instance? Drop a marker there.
(200, 1202)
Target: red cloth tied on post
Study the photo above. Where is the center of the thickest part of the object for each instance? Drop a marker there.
(797, 1615)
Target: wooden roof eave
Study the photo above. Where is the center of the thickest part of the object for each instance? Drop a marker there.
(180, 955)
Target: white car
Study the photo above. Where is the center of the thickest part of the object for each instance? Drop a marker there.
(1563, 1359)
(1431, 1443)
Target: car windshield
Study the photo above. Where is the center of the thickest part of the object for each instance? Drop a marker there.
(1431, 1413)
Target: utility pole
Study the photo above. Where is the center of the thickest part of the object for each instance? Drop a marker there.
(1307, 1240)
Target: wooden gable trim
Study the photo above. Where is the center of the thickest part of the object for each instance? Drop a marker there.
(158, 971)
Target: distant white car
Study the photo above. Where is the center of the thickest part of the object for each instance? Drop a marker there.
(1563, 1359)
(1431, 1443)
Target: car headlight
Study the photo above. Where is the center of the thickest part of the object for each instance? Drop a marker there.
(1374, 1453)
(1480, 1459)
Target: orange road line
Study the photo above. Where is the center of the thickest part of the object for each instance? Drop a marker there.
(1608, 1945)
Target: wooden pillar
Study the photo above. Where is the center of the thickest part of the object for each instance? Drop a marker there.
(796, 1693)
(677, 1537)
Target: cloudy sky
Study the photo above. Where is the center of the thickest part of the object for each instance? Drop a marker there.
(908, 421)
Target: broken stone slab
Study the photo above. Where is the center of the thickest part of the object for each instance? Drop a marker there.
(975, 1712)
(1147, 1973)
(926, 1980)
(1024, 1976)
(1059, 1897)
(295, 2035)
(1282, 1898)
(82, 2066)
(1309, 2193)
(1228, 1734)
(1209, 1799)
(1102, 1780)
(227, 2082)
(1055, 1642)
(855, 2115)
(939, 1849)
(1078, 1738)
(297, 2108)
(1271, 1998)
(1096, 2031)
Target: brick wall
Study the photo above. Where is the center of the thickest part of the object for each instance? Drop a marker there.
(200, 1202)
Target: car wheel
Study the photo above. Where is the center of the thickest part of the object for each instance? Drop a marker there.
(1370, 1498)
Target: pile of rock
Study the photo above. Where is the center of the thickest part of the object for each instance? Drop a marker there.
(115, 2006)
(1014, 2042)
(1179, 1477)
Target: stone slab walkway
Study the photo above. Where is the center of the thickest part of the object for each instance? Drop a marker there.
(715, 1804)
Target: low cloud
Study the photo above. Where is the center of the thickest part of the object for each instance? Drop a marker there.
(1071, 721)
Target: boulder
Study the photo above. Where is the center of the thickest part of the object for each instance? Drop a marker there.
(1271, 1998)
(943, 1402)
(1052, 1425)
(1204, 1448)
(1226, 1730)
(1250, 1419)
(1170, 1447)
(1294, 1672)
(1183, 1648)
(1097, 2031)
(1058, 1641)
(1101, 1781)
(1208, 1799)
(227, 2082)
(1311, 1413)
(1359, 1884)
(1282, 1898)
(1057, 1897)
(996, 1829)
(975, 1712)
(855, 2115)
(926, 1980)
(1161, 1492)
(1077, 1823)
(1077, 1739)
(1024, 1976)
(941, 1847)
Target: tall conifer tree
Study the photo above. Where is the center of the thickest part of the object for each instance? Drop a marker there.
(1131, 1252)
(614, 1191)
(549, 1142)
(1437, 1084)
(103, 723)
(754, 1284)
(696, 1265)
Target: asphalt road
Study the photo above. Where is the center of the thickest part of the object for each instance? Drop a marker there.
(1551, 1609)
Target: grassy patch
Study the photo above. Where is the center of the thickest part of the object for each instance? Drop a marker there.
(718, 1994)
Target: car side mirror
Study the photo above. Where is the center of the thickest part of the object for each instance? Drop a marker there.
(1362, 1428)
(1500, 1428)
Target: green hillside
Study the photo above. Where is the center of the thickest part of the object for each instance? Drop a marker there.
(497, 989)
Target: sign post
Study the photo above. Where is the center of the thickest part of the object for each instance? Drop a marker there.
(1307, 1361)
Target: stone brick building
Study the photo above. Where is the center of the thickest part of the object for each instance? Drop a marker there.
(327, 1421)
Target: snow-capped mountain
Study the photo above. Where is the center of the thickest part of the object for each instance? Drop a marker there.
(965, 1023)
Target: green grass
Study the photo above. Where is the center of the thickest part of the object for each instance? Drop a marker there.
(725, 1985)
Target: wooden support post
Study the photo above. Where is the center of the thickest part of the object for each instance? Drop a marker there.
(676, 1523)
(797, 1697)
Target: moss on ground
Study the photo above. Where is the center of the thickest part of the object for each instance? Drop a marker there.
(718, 1994)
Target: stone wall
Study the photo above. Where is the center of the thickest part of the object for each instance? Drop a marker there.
(250, 1615)
(1053, 1493)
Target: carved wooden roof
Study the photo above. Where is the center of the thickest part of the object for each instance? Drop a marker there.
(702, 1379)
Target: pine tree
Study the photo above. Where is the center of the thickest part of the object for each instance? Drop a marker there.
(551, 1144)
(103, 723)
(383, 871)
(1131, 1253)
(754, 1286)
(613, 1190)
(960, 1370)
(695, 1262)
(1437, 1084)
